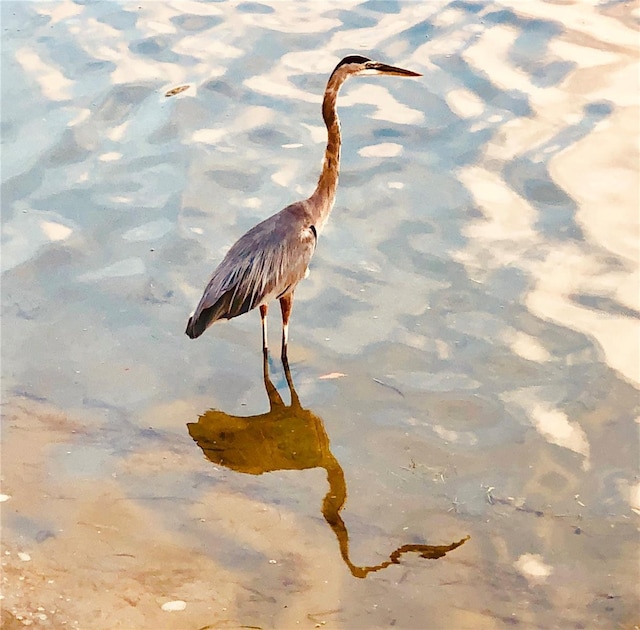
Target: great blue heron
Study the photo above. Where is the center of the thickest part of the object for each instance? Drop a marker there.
(271, 258)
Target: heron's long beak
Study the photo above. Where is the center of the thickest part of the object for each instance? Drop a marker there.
(383, 68)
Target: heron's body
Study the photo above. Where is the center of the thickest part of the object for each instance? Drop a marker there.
(265, 264)
(271, 258)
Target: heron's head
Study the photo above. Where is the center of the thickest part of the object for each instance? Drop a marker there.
(358, 65)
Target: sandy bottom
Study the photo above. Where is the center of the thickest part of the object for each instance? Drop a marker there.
(87, 553)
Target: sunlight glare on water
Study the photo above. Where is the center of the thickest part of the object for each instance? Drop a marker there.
(456, 445)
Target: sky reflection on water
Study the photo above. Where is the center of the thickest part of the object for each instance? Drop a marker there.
(468, 333)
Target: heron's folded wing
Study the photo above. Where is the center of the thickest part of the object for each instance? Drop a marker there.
(267, 262)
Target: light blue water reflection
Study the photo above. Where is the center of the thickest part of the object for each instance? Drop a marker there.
(468, 333)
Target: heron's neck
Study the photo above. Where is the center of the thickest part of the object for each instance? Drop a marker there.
(324, 195)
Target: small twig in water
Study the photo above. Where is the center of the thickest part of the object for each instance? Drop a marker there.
(395, 389)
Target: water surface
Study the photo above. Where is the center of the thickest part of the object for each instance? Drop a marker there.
(461, 448)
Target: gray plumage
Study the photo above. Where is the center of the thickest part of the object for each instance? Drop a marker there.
(264, 264)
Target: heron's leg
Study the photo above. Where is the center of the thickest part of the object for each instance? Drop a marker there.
(286, 303)
(275, 400)
(263, 317)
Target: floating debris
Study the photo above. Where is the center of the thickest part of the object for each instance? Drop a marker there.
(173, 606)
(25, 557)
(177, 90)
(395, 389)
(331, 375)
(4, 497)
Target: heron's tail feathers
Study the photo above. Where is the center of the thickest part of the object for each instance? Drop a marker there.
(195, 326)
(204, 317)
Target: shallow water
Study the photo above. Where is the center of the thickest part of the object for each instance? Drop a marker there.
(461, 447)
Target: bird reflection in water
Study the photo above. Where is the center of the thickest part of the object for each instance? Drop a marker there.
(289, 437)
